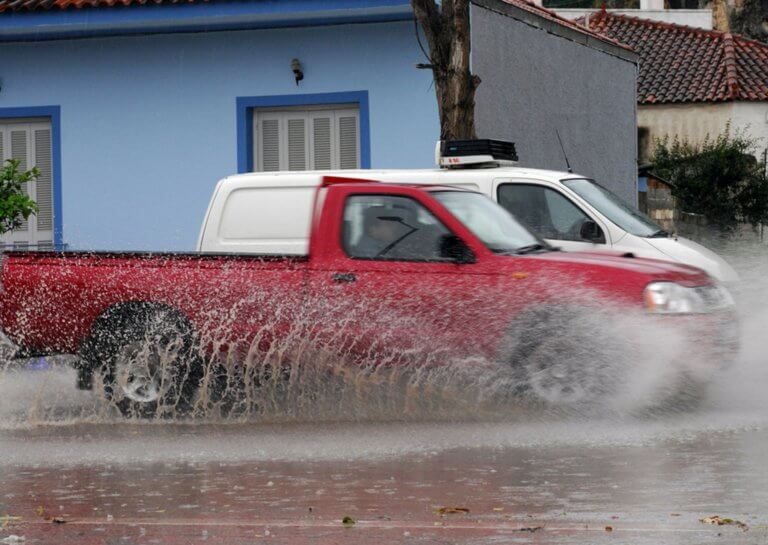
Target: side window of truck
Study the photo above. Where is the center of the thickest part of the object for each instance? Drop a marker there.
(544, 211)
(391, 228)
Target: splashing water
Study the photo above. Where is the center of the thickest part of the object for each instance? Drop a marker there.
(315, 369)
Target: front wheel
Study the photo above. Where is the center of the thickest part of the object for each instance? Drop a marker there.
(561, 358)
(147, 362)
(558, 377)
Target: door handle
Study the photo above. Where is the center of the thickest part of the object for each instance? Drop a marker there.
(342, 278)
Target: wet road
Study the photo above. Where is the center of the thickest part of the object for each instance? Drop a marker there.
(538, 481)
(146, 484)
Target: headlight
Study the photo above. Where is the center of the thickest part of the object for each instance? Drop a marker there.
(671, 298)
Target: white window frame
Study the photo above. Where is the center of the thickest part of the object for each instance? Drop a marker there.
(309, 114)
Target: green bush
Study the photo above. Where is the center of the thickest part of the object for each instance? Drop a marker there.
(15, 204)
(719, 178)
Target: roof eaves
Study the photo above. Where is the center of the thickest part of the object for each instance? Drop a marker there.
(568, 23)
(549, 21)
(739, 66)
(135, 17)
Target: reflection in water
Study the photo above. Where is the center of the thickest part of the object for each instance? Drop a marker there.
(299, 481)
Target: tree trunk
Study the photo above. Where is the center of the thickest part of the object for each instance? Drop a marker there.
(448, 36)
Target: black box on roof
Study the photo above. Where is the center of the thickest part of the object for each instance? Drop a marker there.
(498, 149)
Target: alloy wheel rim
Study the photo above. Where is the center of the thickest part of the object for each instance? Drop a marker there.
(138, 373)
(559, 383)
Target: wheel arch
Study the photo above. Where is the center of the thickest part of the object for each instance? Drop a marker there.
(527, 327)
(119, 313)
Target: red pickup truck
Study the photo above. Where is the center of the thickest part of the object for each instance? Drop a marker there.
(393, 274)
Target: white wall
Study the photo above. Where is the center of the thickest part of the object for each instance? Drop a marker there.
(695, 121)
(687, 121)
(537, 85)
(752, 117)
(699, 18)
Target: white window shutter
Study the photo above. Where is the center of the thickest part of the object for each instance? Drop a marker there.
(19, 151)
(19, 147)
(307, 138)
(297, 144)
(348, 142)
(31, 143)
(321, 143)
(44, 183)
(269, 139)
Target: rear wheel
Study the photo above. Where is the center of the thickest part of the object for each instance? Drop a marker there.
(147, 361)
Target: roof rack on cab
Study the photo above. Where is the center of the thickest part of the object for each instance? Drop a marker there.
(475, 153)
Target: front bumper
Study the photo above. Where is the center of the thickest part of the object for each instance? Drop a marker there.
(714, 338)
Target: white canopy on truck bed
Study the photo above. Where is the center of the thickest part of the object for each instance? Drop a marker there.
(270, 213)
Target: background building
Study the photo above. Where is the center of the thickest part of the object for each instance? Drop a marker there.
(692, 82)
(543, 76)
(134, 110)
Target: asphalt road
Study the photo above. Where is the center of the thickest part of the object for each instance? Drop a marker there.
(247, 484)
(68, 477)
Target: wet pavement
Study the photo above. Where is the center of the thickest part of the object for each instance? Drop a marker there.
(546, 481)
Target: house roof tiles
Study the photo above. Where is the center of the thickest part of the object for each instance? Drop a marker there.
(681, 64)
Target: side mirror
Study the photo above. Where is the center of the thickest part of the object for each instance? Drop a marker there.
(453, 248)
(591, 232)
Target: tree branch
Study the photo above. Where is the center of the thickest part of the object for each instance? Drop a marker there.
(418, 40)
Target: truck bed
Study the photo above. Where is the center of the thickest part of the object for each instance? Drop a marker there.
(50, 300)
(38, 255)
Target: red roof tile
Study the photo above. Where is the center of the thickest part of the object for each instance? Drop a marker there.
(680, 64)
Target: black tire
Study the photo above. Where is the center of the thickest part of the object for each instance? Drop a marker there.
(560, 359)
(146, 357)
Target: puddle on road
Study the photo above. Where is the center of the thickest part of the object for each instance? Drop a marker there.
(78, 429)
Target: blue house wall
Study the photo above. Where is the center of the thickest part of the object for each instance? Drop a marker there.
(149, 123)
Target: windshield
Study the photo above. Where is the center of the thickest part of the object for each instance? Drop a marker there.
(488, 221)
(613, 208)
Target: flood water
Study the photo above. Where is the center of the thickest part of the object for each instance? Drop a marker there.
(525, 476)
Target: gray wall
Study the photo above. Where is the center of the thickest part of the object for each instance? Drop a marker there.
(535, 81)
